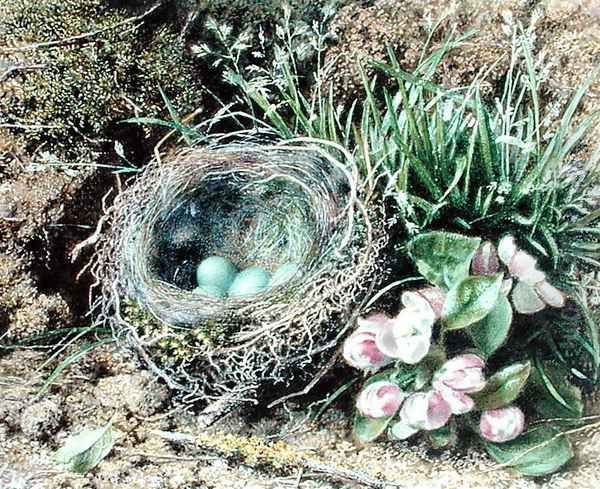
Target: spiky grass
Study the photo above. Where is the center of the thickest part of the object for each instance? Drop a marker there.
(447, 158)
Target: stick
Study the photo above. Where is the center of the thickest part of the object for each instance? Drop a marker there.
(81, 37)
(257, 452)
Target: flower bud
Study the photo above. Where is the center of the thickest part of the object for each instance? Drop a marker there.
(421, 411)
(485, 261)
(380, 399)
(502, 425)
(360, 349)
(458, 377)
(408, 336)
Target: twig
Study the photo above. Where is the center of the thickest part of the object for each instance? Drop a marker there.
(14, 69)
(82, 37)
(256, 452)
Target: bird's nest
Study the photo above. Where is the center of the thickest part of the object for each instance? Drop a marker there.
(255, 205)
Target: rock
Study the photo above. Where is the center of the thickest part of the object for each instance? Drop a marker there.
(42, 419)
(139, 393)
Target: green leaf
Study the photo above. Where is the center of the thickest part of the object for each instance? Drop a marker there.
(84, 451)
(443, 437)
(443, 258)
(503, 387)
(553, 394)
(539, 451)
(491, 332)
(367, 429)
(471, 300)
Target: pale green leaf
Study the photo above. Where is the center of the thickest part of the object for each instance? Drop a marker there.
(471, 301)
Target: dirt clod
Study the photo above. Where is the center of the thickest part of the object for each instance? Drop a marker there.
(139, 393)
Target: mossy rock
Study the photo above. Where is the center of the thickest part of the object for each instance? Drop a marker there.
(80, 92)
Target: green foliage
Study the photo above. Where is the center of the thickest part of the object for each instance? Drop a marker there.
(492, 331)
(443, 258)
(503, 387)
(554, 396)
(471, 301)
(539, 451)
(82, 452)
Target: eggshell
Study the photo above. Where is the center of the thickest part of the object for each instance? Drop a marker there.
(248, 282)
(216, 271)
(284, 273)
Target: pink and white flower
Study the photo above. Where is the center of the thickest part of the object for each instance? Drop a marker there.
(360, 348)
(421, 411)
(532, 292)
(408, 337)
(502, 425)
(380, 399)
(434, 296)
(458, 377)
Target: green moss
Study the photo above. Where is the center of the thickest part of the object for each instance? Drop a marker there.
(177, 345)
(83, 91)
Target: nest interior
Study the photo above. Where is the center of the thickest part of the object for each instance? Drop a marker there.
(255, 205)
(261, 223)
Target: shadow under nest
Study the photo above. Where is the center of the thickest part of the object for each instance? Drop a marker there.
(257, 206)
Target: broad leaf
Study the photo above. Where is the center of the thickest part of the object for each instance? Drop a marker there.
(443, 258)
(84, 451)
(367, 429)
(491, 332)
(540, 451)
(503, 387)
(443, 437)
(553, 394)
(471, 300)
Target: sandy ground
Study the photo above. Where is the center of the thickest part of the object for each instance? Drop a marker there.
(155, 448)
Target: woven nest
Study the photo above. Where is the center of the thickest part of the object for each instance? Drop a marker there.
(256, 206)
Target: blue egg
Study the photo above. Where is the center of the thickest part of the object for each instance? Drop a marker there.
(248, 282)
(211, 291)
(284, 273)
(216, 271)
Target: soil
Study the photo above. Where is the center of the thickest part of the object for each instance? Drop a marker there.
(45, 212)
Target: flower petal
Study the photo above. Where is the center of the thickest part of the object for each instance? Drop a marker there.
(523, 266)
(550, 294)
(507, 247)
(401, 431)
(526, 300)
(418, 303)
(459, 402)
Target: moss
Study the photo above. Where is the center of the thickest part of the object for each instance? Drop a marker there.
(174, 345)
(81, 92)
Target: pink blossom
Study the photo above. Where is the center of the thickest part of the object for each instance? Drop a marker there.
(458, 377)
(421, 411)
(407, 337)
(360, 348)
(485, 261)
(502, 425)
(380, 399)
(434, 296)
(533, 292)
